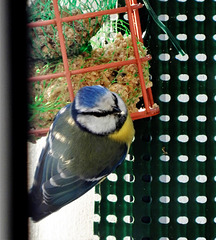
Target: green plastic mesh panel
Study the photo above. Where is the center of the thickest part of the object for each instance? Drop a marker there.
(166, 188)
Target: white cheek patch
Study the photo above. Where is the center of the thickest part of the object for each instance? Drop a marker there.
(97, 125)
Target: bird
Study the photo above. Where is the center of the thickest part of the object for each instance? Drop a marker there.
(88, 139)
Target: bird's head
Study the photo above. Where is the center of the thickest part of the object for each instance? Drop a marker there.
(98, 110)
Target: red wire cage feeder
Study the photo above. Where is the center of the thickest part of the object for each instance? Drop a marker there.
(131, 9)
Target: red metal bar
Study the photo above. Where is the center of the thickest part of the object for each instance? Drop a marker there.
(136, 21)
(100, 13)
(151, 100)
(90, 69)
(144, 114)
(41, 23)
(46, 77)
(84, 16)
(63, 49)
(109, 65)
(138, 28)
(136, 53)
(39, 132)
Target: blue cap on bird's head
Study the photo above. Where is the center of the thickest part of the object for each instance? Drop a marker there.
(88, 96)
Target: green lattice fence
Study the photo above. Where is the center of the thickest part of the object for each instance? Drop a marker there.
(167, 187)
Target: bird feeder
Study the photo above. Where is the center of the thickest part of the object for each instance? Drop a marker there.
(59, 21)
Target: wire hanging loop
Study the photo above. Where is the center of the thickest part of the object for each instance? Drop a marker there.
(163, 27)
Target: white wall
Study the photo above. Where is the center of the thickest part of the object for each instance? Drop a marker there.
(72, 222)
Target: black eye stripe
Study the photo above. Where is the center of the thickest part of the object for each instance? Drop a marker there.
(115, 99)
(98, 114)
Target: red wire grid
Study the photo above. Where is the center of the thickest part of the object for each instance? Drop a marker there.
(131, 9)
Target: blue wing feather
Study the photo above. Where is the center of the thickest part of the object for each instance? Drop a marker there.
(60, 190)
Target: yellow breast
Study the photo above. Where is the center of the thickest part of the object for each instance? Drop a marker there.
(126, 133)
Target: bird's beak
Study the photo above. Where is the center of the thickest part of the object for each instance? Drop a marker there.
(117, 111)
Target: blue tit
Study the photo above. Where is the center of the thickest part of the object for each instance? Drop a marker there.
(88, 139)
